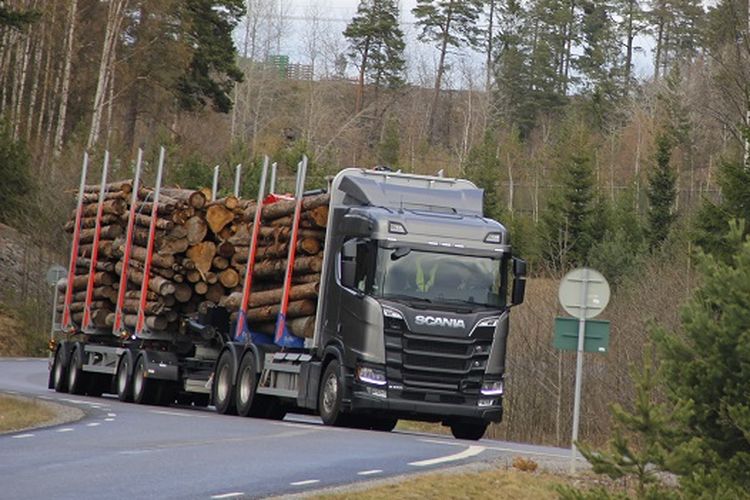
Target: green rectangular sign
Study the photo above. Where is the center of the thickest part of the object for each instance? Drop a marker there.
(596, 335)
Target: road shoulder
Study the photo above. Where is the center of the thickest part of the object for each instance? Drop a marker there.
(63, 414)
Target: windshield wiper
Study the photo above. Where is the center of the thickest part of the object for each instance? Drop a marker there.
(406, 298)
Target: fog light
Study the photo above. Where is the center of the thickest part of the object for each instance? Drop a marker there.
(492, 388)
(486, 402)
(371, 375)
(378, 393)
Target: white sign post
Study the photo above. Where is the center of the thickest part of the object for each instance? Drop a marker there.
(584, 293)
(54, 274)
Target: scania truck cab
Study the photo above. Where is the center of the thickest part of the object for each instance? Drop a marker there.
(412, 316)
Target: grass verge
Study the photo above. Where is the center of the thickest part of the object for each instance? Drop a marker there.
(17, 413)
(492, 484)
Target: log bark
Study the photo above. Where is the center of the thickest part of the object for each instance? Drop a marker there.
(156, 284)
(257, 299)
(299, 327)
(89, 222)
(107, 233)
(220, 263)
(183, 292)
(305, 246)
(286, 207)
(277, 268)
(118, 206)
(145, 221)
(195, 199)
(152, 322)
(140, 254)
(152, 308)
(296, 309)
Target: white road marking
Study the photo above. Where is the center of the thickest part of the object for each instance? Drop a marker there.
(93, 424)
(177, 414)
(306, 482)
(11, 392)
(369, 472)
(506, 450)
(66, 429)
(471, 451)
(22, 436)
(109, 419)
(228, 495)
(111, 414)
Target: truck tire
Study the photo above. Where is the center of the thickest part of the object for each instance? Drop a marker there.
(331, 395)
(123, 380)
(77, 380)
(60, 370)
(223, 392)
(384, 424)
(471, 431)
(144, 389)
(247, 382)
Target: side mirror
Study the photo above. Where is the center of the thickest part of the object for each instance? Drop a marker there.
(519, 281)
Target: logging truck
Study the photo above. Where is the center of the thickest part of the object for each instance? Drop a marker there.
(398, 310)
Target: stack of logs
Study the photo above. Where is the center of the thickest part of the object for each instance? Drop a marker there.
(200, 257)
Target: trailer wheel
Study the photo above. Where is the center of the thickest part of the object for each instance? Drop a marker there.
(331, 395)
(76, 378)
(144, 389)
(471, 431)
(222, 391)
(124, 381)
(60, 371)
(247, 382)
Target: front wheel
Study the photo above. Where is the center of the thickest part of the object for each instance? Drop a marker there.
(223, 391)
(471, 431)
(331, 395)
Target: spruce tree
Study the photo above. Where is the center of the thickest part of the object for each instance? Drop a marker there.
(212, 72)
(376, 45)
(483, 168)
(661, 194)
(449, 24)
(16, 19)
(707, 364)
(568, 224)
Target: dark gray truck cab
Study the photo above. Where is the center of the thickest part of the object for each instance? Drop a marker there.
(414, 302)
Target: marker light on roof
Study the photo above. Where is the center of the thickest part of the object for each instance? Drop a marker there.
(395, 227)
(495, 238)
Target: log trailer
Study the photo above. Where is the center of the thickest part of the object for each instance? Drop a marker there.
(411, 321)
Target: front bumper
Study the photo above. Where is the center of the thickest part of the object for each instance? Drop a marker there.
(363, 402)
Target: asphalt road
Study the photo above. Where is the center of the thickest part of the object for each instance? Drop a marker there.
(124, 450)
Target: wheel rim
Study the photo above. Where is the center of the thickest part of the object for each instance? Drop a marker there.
(246, 384)
(138, 380)
(330, 392)
(122, 377)
(222, 387)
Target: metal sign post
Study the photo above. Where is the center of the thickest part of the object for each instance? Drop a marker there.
(273, 178)
(584, 293)
(54, 275)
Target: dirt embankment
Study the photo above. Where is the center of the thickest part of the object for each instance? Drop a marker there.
(24, 293)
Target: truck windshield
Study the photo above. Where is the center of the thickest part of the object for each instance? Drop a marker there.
(420, 276)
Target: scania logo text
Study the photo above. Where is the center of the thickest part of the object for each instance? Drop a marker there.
(440, 321)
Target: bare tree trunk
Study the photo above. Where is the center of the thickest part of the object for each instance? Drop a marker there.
(7, 56)
(47, 75)
(21, 87)
(30, 112)
(439, 76)
(629, 44)
(659, 48)
(361, 81)
(65, 94)
(106, 67)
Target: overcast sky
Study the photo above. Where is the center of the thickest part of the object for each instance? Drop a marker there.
(333, 15)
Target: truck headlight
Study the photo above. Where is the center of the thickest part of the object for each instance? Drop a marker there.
(370, 375)
(492, 388)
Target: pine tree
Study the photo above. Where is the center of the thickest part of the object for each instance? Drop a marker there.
(449, 24)
(661, 194)
(568, 224)
(376, 45)
(647, 440)
(15, 18)
(212, 72)
(706, 364)
(483, 168)
(390, 143)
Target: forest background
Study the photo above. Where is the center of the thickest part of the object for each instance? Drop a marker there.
(537, 101)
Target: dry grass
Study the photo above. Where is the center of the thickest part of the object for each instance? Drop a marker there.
(493, 484)
(17, 413)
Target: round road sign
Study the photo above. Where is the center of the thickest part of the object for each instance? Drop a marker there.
(584, 293)
(54, 274)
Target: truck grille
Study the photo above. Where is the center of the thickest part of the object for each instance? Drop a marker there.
(436, 368)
